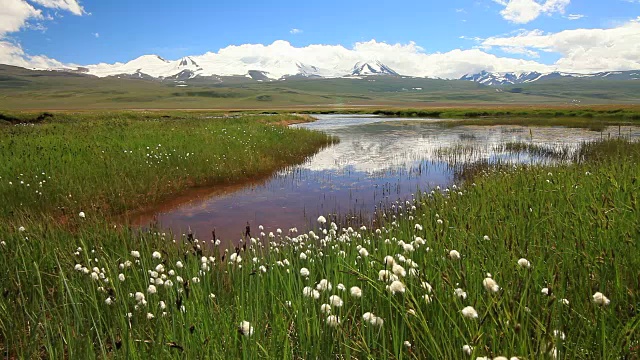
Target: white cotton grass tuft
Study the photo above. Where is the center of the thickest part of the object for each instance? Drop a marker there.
(491, 285)
(333, 320)
(469, 312)
(389, 261)
(135, 254)
(336, 301)
(467, 350)
(304, 272)
(356, 292)
(322, 219)
(599, 299)
(396, 287)
(372, 319)
(460, 293)
(156, 255)
(82, 214)
(524, 263)
(325, 309)
(311, 292)
(454, 255)
(324, 285)
(245, 328)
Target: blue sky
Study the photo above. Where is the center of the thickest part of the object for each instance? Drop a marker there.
(120, 30)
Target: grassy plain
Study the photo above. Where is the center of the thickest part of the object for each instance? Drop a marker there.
(88, 288)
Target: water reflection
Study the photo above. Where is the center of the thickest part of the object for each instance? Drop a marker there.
(377, 160)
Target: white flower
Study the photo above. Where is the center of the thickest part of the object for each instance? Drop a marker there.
(418, 227)
(439, 221)
(139, 297)
(321, 219)
(425, 285)
(490, 285)
(386, 275)
(469, 312)
(81, 214)
(467, 350)
(135, 254)
(324, 285)
(325, 309)
(407, 344)
(150, 316)
(162, 305)
(21, 229)
(156, 255)
(303, 256)
(398, 270)
(310, 292)
(152, 289)
(524, 263)
(389, 261)
(304, 272)
(333, 320)
(428, 299)
(396, 287)
(408, 248)
(212, 296)
(341, 287)
(564, 301)
(121, 277)
(363, 252)
(335, 300)
(109, 301)
(559, 334)
(168, 283)
(454, 255)
(245, 328)
(356, 292)
(486, 237)
(600, 299)
(372, 319)
(460, 293)
(545, 291)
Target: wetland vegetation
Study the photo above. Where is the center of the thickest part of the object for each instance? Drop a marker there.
(525, 261)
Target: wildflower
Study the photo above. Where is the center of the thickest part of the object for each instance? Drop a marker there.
(356, 292)
(321, 219)
(195, 280)
(439, 221)
(150, 316)
(168, 284)
(418, 227)
(386, 275)
(564, 301)
(333, 320)
(396, 287)
(135, 254)
(341, 287)
(109, 301)
(245, 328)
(152, 289)
(454, 255)
(398, 270)
(408, 248)
(407, 344)
(363, 252)
(94, 276)
(325, 308)
(469, 312)
(389, 261)
(304, 272)
(559, 334)
(212, 296)
(524, 263)
(460, 293)
(162, 305)
(303, 256)
(486, 237)
(425, 285)
(335, 301)
(179, 265)
(156, 255)
(467, 350)
(121, 277)
(600, 299)
(411, 312)
(490, 285)
(21, 229)
(81, 214)
(545, 291)
(427, 299)
(310, 292)
(324, 285)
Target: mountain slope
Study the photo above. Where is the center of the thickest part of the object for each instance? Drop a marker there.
(512, 78)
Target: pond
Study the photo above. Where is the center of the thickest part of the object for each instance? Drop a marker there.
(377, 161)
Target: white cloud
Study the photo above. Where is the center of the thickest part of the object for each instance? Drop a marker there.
(575, 16)
(295, 31)
(582, 50)
(524, 11)
(69, 5)
(14, 16)
(97, 35)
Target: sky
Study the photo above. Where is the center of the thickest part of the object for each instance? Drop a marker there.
(425, 37)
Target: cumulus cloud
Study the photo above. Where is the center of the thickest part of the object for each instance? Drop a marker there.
(524, 11)
(582, 50)
(14, 16)
(295, 31)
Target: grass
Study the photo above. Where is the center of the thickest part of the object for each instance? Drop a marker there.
(576, 224)
(116, 162)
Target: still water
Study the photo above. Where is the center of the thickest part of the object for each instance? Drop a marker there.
(377, 161)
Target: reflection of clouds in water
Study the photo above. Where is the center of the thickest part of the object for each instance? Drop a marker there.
(376, 147)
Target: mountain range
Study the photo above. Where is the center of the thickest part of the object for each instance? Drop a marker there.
(512, 78)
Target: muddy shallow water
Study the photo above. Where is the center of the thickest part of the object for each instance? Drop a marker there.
(378, 160)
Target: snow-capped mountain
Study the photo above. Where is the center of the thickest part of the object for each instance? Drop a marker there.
(512, 78)
(257, 67)
(372, 68)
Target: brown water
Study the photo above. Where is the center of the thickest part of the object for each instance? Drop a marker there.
(378, 161)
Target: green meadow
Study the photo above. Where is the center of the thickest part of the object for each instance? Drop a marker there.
(526, 262)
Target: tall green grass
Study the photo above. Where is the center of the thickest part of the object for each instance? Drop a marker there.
(577, 225)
